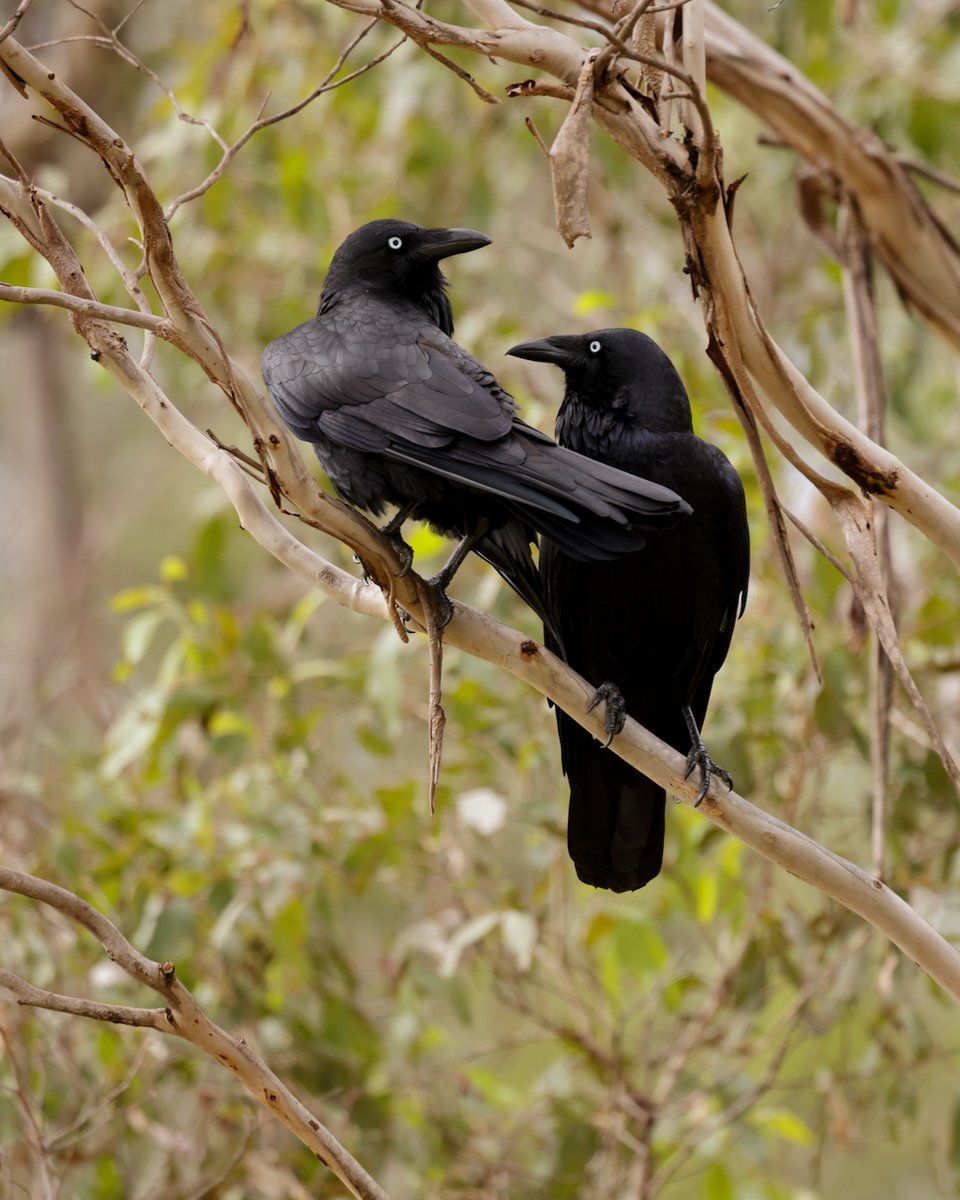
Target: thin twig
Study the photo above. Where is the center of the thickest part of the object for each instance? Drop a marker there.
(15, 20)
(927, 172)
(536, 135)
(819, 546)
(230, 152)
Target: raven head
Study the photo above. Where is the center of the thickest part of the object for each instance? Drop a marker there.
(402, 258)
(619, 369)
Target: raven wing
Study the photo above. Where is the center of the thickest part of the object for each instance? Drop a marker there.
(381, 382)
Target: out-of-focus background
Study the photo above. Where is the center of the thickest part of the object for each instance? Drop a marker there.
(233, 769)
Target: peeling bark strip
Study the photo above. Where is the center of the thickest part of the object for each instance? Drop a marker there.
(863, 473)
(570, 160)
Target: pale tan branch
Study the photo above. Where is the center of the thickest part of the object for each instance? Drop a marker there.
(116, 1014)
(871, 402)
(92, 308)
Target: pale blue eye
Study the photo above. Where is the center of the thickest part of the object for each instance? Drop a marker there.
(394, 243)
(594, 347)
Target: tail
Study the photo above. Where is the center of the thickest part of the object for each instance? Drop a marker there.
(507, 550)
(617, 818)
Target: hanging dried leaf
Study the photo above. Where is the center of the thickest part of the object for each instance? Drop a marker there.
(570, 160)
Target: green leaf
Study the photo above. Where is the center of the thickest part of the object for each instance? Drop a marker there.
(138, 634)
(227, 723)
(705, 892)
(173, 569)
(955, 1134)
(137, 597)
(717, 1184)
(783, 1124)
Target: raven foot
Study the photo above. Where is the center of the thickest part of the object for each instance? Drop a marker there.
(403, 551)
(615, 709)
(698, 757)
(444, 607)
(400, 549)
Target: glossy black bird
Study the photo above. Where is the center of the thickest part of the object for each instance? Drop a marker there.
(398, 413)
(656, 625)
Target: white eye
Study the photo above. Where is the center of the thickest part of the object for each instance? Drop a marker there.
(594, 347)
(394, 243)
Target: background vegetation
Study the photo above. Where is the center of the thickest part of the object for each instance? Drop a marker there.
(233, 769)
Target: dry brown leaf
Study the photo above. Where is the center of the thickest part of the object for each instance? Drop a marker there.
(570, 160)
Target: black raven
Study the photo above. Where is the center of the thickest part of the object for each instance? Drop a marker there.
(654, 626)
(398, 413)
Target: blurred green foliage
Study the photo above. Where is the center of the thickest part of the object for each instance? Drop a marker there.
(234, 771)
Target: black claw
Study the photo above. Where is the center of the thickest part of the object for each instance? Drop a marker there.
(698, 757)
(404, 553)
(615, 709)
(444, 607)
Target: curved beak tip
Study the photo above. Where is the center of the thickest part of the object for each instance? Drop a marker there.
(443, 243)
(541, 350)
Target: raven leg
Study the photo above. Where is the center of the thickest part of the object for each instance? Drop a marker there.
(441, 581)
(392, 532)
(615, 709)
(445, 575)
(698, 757)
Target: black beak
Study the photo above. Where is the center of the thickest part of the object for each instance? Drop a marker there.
(562, 350)
(442, 243)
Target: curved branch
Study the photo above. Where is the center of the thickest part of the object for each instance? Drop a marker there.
(181, 1016)
(485, 637)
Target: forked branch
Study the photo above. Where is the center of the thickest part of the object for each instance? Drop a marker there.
(182, 1017)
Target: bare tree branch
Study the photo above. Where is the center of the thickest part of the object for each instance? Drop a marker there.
(11, 26)
(181, 1015)
(77, 304)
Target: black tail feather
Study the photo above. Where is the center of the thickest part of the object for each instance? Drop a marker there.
(507, 550)
(617, 820)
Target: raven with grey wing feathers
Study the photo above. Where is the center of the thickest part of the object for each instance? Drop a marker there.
(654, 626)
(399, 413)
